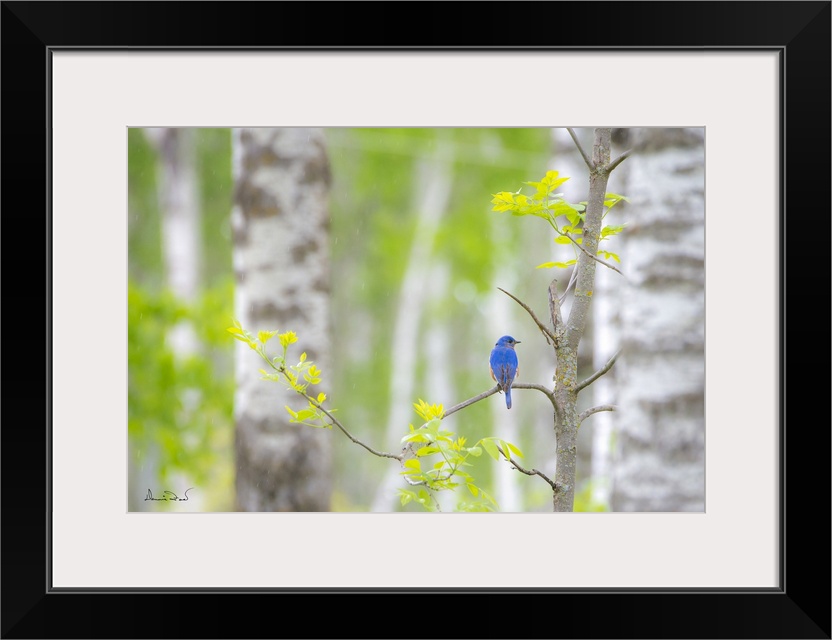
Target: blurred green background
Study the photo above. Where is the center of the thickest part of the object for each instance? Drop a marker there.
(181, 426)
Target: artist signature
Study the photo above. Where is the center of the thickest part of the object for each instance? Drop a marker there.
(167, 496)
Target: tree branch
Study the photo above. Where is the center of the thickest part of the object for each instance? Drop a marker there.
(598, 373)
(470, 401)
(596, 258)
(533, 472)
(619, 160)
(445, 414)
(550, 338)
(380, 454)
(601, 407)
(581, 149)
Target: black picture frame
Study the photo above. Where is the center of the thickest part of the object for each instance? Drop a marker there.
(799, 31)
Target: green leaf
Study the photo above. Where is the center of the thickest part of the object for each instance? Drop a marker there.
(552, 181)
(288, 338)
(562, 208)
(559, 265)
(562, 240)
(265, 336)
(503, 201)
(413, 464)
(490, 448)
(473, 489)
(426, 451)
(242, 338)
(514, 449)
(611, 230)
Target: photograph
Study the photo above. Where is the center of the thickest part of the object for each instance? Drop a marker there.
(426, 319)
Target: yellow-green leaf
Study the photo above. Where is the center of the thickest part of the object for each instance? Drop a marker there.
(490, 448)
(514, 449)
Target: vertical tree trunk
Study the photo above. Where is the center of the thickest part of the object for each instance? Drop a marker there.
(570, 332)
(281, 258)
(178, 193)
(660, 457)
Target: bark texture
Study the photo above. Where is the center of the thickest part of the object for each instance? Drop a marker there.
(660, 444)
(569, 332)
(281, 253)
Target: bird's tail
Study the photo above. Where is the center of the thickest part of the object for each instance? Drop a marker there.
(508, 397)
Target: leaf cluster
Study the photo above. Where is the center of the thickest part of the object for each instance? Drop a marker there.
(551, 206)
(448, 468)
(297, 377)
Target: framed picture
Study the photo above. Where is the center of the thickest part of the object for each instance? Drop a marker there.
(754, 76)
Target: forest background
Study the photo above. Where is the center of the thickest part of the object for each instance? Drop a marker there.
(416, 256)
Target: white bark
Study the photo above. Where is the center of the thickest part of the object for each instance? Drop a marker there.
(181, 234)
(660, 456)
(281, 260)
(178, 195)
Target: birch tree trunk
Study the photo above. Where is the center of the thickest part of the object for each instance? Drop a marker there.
(660, 457)
(178, 193)
(281, 260)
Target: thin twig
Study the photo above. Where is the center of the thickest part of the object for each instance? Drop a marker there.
(596, 258)
(573, 278)
(554, 307)
(533, 472)
(550, 337)
(600, 407)
(598, 373)
(619, 160)
(380, 454)
(470, 401)
(581, 149)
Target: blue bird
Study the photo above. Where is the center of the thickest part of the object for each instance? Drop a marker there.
(503, 363)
